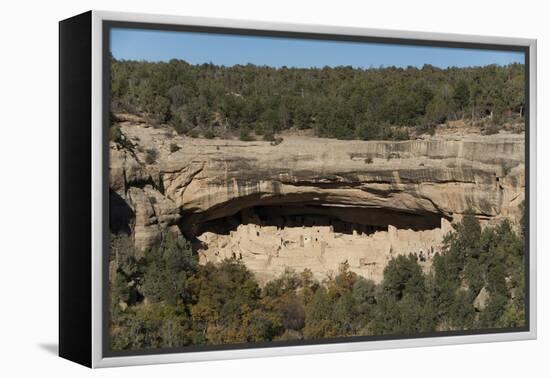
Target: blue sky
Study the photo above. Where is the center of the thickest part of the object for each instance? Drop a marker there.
(228, 50)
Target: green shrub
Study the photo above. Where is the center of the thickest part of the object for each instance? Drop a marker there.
(114, 133)
(209, 134)
(179, 124)
(401, 134)
(276, 141)
(174, 147)
(426, 128)
(151, 155)
(245, 136)
(269, 136)
(490, 129)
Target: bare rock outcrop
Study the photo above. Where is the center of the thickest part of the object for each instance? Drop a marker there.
(480, 302)
(154, 214)
(138, 206)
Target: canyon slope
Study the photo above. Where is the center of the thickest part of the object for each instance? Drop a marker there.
(321, 202)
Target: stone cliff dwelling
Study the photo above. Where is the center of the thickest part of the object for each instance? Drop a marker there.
(271, 239)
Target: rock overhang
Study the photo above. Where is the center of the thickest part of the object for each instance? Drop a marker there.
(208, 180)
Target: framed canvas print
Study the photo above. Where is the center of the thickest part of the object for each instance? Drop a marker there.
(234, 189)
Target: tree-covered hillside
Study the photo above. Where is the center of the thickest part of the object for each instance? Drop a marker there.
(339, 102)
(167, 299)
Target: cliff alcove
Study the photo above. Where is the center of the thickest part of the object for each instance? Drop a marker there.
(341, 218)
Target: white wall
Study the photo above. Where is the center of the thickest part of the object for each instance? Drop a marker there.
(28, 160)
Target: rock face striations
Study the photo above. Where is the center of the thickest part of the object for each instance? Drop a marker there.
(209, 189)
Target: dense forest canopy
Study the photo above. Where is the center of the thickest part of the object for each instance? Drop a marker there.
(339, 102)
(167, 299)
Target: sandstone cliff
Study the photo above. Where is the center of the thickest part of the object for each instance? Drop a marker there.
(409, 185)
